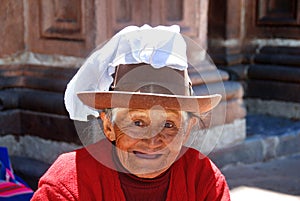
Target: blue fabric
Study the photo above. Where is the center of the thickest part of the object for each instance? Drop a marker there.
(4, 158)
(22, 197)
(8, 178)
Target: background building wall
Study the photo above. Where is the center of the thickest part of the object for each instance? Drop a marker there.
(44, 42)
(257, 42)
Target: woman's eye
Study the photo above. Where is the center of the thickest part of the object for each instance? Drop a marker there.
(139, 123)
(169, 125)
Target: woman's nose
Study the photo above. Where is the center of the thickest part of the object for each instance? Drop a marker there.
(154, 138)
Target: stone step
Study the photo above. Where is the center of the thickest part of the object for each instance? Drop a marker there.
(34, 100)
(273, 90)
(274, 72)
(278, 59)
(226, 112)
(30, 170)
(280, 50)
(210, 76)
(228, 89)
(37, 77)
(48, 126)
(265, 142)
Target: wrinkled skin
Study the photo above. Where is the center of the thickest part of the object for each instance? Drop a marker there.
(148, 142)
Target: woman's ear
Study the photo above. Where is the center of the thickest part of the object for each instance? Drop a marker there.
(192, 122)
(107, 127)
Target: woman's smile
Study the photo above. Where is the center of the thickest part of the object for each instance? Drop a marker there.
(148, 156)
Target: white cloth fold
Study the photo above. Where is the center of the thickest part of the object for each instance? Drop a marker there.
(158, 46)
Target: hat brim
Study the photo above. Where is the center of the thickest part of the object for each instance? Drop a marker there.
(122, 99)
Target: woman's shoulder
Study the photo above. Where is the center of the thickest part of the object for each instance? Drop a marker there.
(194, 159)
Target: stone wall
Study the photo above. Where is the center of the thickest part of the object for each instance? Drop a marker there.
(41, 51)
(258, 43)
(44, 43)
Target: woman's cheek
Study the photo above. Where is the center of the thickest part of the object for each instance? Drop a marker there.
(124, 142)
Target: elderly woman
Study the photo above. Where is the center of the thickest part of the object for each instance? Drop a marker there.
(138, 85)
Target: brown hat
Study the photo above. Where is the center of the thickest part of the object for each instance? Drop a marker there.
(141, 86)
(164, 82)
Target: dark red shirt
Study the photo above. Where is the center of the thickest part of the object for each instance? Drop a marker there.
(140, 189)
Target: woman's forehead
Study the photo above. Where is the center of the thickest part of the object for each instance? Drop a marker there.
(146, 112)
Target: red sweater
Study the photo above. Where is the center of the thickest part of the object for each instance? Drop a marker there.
(78, 176)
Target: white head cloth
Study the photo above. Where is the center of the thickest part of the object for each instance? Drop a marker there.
(158, 46)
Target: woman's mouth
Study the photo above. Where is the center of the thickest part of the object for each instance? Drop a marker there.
(146, 155)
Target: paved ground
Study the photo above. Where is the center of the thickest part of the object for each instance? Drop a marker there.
(274, 179)
(280, 177)
(257, 194)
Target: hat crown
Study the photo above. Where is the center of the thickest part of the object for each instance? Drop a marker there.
(146, 79)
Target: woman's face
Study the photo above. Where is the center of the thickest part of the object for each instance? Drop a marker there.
(147, 141)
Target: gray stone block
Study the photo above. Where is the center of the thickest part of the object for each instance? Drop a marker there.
(36, 148)
(210, 76)
(288, 144)
(270, 145)
(273, 108)
(250, 151)
(219, 137)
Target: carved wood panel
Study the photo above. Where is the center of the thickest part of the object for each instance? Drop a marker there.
(272, 19)
(157, 12)
(278, 12)
(12, 27)
(70, 27)
(60, 26)
(185, 13)
(123, 13)
(61, 19)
